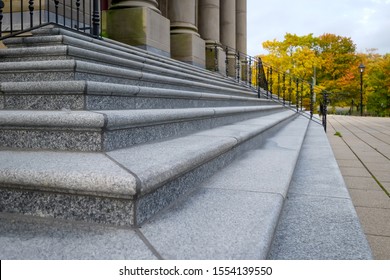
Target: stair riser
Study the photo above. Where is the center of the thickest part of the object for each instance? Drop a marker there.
(127, 78)
(64, 206)
(86, 51)
(110, 60)
(123, 212)
(112, 102)
(65, 139)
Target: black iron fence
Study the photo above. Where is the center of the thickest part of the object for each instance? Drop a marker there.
(281, 86)
(18, 16)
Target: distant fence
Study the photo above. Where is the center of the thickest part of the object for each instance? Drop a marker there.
(18, 16)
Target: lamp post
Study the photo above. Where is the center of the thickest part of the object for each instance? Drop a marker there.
(361, 69)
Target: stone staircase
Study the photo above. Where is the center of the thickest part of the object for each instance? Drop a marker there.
(94, 131)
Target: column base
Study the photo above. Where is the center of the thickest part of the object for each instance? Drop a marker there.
(232, 65)
(215, 59)
(244, 68)
(189, 48)
(140, 27)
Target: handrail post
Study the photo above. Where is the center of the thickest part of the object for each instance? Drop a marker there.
(31, 9)
(284, 89)
(297, 95)
(278, 85)
(216, 68)
(325, 109)
(271, 82)
(301, 96)
(227, 61)
(289, 92)
(311, 100)
(96, 19)
(238, 66)
(1, 16)
(259, 65)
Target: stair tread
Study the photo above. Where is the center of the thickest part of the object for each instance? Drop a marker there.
(116, 118)
(234, 213)
(120, 57)
(318, 220)
(73, 66)
(153, 163)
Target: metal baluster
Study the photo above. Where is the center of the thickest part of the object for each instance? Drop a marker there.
(56, 8)
(258, 77)
(48, 10)
(301, 96)
(284, 89)
(311, 100)
(63, 4)
(78, 15)
(325, 110)
(96, 19)
(227, 62)
(84, 15)
(290, 92)
(250, 72)
(40, 12)
(297, 95)
(238, 66)
(216, 58)
(71, 13)
(21, 16)
(11, 17)
(271, 83)
(278, 86)
(267, 90)
(31, 8)
(1, 16)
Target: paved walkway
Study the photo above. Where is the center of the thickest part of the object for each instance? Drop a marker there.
(363, 154)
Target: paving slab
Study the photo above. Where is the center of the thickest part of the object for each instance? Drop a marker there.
(375, 221)
(380, 245)
(355, 171)
(370, 198)
(368, 139)
(361, 183)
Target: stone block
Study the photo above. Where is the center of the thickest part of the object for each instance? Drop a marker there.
(140, 27)
(215, 59)
(189, 48)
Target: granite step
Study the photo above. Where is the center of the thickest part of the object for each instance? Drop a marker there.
(105, 56)
(234, 213)
(110, 47)
(126, 186)
(68, 70)
(92, 131)
(88, 95)
(318, 220)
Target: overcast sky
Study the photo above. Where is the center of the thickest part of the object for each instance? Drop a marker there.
(366, 22)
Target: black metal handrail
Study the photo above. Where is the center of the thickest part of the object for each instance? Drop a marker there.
(281, 86)
(24, 15)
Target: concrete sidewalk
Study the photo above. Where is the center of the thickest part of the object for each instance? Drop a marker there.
(362, 149)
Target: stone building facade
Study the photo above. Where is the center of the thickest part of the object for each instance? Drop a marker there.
(198, 32)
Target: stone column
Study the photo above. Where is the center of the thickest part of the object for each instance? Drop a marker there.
(209, 30)
(186, 44)
(228, 33)
(139, 23)
(241, 36)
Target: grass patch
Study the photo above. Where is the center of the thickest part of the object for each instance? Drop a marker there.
(338, 134)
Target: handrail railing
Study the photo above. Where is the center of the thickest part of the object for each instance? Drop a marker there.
(281, 86)
(20, 16)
